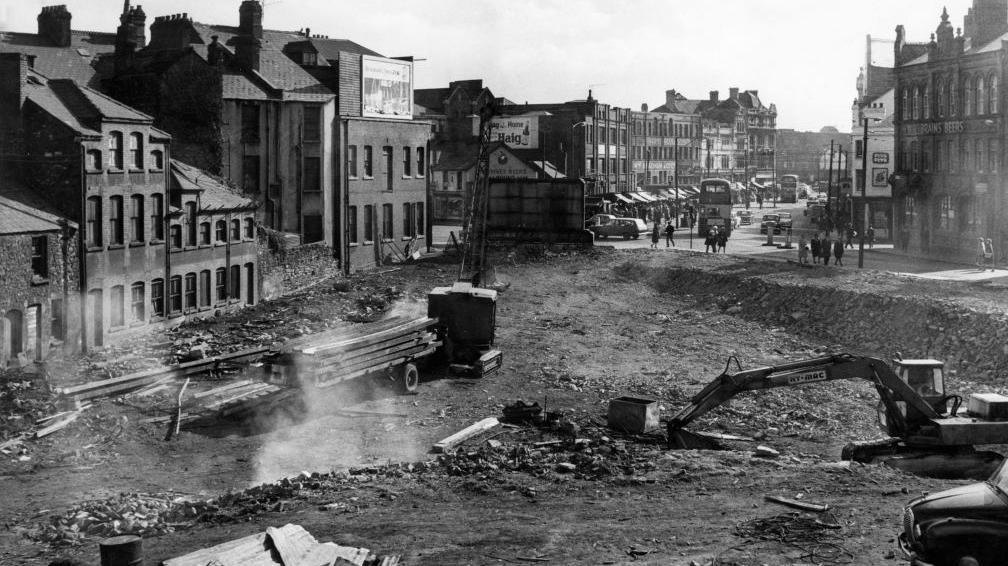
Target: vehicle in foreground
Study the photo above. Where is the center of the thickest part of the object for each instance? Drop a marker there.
(788, 190)
(784, 221)
(626, 228)
(714, 206)
(960, 526)
(927, 434)
(770, 222)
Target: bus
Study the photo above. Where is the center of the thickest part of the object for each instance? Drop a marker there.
(714, 206)
(788, 188)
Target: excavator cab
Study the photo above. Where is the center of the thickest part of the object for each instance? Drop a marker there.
(927, 379)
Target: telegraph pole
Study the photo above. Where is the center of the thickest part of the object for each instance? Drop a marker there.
(864, 195)
(829, 184)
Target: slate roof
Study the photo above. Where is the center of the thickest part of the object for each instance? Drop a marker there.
(329, 48)
(75, 62)
(215, 195)
(431, 98)
(22, 211)
(880, 81)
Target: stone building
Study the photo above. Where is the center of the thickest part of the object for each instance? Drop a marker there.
(950, 135)
(666, 144)
(39, 272)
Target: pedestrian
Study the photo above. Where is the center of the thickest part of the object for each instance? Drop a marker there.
(870, 233)
(816, 248)
(711, 240)
(759, 200)
(802, 250)
(989, 252)
(826, 247)
(980, 257)
(655, 236)
(851, 234)
(838, 251)
(669, 235)
(722, 240)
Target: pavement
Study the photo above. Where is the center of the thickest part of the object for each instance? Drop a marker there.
(746, 240)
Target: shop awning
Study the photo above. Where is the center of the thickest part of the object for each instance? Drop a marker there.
(636, 197)
(648, 197)
(624, 199)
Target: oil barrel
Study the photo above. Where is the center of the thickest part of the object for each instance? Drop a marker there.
(123, 550)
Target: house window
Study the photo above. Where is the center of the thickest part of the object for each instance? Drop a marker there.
(204, 229)
(979, 159)
(407, 219)
(115, 150)
(190, 219)
(312, 123)
(992, 155)
(250, 122)
(94, 214)
(387, 226)
(137, 218)
(157, 216)
(368, 164)
(175, 294)
(220, 230)
(947, 213)
(352, 224)
(389, 166)
(157, 159)
(94, 160)
(190, 291)
(968, 96)
(157, 297)
(352, 161)
(250, 283)
(204, 288)
(368, 223)
(312, 174)
(175, 233)
(40, 257)
(951, 156)
(236, 230)
(235, 282)
(419, 214)
(249, 229)
(137, 301)
(420, 161)
(981, 97)
(250, 174)
(926, 103)
(116, 220)
(992, 94)
(309, 58)
(941, 98)
(220, 282)
(407, 161)
(117, 307)
(953, 103)
(136, 151)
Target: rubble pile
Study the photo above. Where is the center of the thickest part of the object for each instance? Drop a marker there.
(24, 399)
(873, 317)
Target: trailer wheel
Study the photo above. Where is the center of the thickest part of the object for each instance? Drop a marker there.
(409, 378)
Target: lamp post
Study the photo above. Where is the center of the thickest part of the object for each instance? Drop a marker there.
(567, 164)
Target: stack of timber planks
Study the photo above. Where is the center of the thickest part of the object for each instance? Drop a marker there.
(328, 358)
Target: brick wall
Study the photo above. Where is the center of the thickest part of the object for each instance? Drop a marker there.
(283, 270)
(350, 84)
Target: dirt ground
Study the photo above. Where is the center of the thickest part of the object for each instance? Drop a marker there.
(576, 331)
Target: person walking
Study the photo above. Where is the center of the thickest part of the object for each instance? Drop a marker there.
(802, 250)
(669, 235)
(838, 251)
(722, 240)
(870, 233)
(759, 200)
(826, 247)
(711, 240)
(816, 248)
(851, 233)
(655, 236)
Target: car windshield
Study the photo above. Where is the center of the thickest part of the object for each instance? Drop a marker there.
(1000, 478)
(770, 217)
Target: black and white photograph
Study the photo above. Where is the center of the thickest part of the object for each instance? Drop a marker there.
(561, 282)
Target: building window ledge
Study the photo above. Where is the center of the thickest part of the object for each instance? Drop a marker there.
(368, 242)
(353, 244)
(407, 177)
(137, 244)
(406, 238)
(116, 246)
(37, 281)
(368, 178)
(387, 240)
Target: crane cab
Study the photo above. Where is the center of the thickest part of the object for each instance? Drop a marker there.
(926, 377)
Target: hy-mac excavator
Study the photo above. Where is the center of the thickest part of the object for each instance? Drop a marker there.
(927, 433)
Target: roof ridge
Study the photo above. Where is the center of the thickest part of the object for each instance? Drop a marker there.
(83, 97)
(28, 209)
(114, 101)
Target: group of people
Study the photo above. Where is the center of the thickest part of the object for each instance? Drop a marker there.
(669, 235)
(650, 212)
(821, 249)
(717, 240)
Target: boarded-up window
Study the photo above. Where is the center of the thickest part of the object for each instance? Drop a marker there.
(312, 174)
(313, 228)
(312, 123)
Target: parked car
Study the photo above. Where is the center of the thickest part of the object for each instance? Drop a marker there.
(745, 217)
(784, 222)
(625, 227)
(953, 526)
(599, 220)
(769, 223)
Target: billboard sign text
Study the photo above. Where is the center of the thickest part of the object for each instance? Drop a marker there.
(387, 88)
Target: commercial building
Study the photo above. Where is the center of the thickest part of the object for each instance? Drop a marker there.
(666, 144)
(949, 185)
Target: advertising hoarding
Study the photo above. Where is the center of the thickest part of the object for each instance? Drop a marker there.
(520, 132)
(386, 88)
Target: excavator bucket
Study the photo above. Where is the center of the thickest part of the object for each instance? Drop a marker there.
(680, 439)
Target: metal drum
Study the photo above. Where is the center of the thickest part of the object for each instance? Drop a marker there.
(123, 550)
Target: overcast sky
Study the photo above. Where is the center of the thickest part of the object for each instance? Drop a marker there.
(803, 55)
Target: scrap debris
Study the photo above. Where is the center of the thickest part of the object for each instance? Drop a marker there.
(817, 542)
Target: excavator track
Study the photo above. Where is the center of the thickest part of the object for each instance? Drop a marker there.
(942, 462)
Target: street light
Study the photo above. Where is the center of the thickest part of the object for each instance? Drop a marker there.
(566, 164)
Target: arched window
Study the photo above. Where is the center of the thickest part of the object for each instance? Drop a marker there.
(94, 221)
(157, 217)
(981, 97)
(116, 220)
(940, 111)
(115, 150)
(220, 231)
(94, 160)
(157, 159)
(916, 105)
(953, 98)
(249, 229)
(926, 103)
(992, 95)
(914, 155)
(968, 93)
(136, 150)
(980, 158)
(190, 220)
(236, 230)
(137, 218)
(906, 104)
(204, 229)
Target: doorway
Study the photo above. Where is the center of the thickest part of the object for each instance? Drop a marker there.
(97, 313)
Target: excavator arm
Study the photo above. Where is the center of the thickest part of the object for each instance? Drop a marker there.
(892, 390)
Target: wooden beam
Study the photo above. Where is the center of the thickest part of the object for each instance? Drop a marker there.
(465, 434)
(794, 503)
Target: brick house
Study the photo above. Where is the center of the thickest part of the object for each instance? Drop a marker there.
(38, 256)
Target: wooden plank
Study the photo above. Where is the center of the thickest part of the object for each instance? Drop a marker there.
(241, 395)
(813, 507)
(378, 362)
(377, 368)
(262, 402)
(343, 333)
(408, 327)
(239, 551)
(377, 346)
(365, 359)
(465, 434)
(58, 425)
(219, 390)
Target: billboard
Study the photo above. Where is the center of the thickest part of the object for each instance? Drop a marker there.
(521, 132)
(386, 88)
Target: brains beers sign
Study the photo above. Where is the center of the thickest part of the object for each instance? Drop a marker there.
(521, 132)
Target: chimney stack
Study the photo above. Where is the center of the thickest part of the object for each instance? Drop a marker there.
(713, 96)
(643, 108)
(733, 93)
(54, 24)
(250, 16)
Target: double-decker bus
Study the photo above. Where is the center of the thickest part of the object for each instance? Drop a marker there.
(714, 206)
(788, 188)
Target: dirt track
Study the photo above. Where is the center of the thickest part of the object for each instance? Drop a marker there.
(576, 332)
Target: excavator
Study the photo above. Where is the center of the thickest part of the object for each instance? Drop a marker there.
(928, 434)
